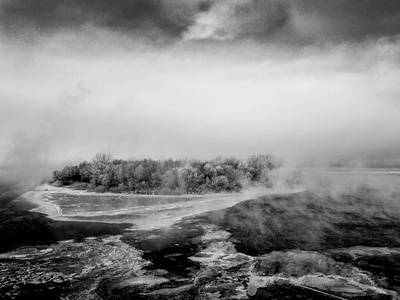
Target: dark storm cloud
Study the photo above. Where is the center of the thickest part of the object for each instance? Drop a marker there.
(262, 19)
(302, 20)
(128, 16)
(239, 19)
(348, 19)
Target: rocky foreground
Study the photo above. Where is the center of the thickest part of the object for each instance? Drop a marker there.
(274, 247)
(200, 264)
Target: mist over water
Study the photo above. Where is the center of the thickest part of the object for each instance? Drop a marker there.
(336, 210)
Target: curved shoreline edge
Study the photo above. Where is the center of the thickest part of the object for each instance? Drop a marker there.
(44, 205)
(44, 197)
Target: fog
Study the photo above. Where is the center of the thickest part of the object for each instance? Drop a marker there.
(199, 80)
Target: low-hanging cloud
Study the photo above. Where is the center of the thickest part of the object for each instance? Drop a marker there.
(161, 104)
(28, 154)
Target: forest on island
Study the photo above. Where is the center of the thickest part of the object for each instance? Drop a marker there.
(168, 177)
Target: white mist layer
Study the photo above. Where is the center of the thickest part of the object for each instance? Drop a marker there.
(197, 100)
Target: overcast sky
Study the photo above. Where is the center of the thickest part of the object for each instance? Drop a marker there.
(303, 80)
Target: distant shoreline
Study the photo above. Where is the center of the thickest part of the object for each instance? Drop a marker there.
(363, 172)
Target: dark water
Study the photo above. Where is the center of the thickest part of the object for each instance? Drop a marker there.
(20, 227)
(309, 221)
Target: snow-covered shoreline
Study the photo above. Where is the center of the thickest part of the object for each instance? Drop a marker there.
(39, 196)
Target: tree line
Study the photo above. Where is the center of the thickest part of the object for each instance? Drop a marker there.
(167, 177)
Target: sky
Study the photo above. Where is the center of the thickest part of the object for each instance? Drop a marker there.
(304, 80)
